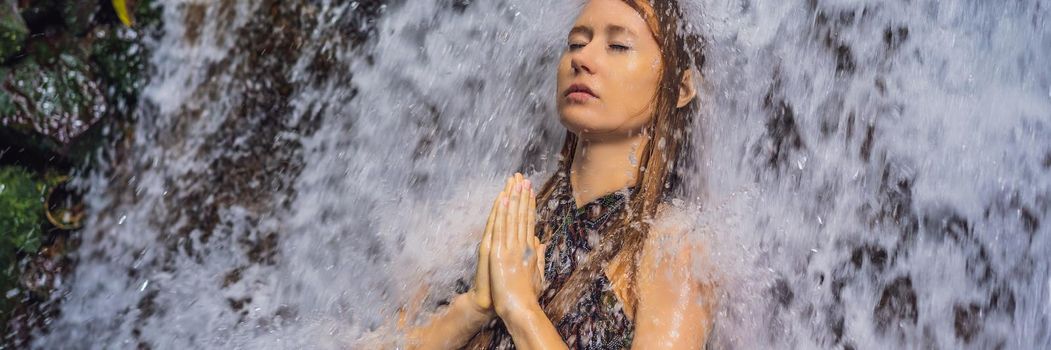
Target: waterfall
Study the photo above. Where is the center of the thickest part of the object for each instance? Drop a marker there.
(873, 174)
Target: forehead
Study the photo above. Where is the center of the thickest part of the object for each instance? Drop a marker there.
(599, 14)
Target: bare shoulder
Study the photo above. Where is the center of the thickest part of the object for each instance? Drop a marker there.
(675, 305)
(675, 246)
(669, 232)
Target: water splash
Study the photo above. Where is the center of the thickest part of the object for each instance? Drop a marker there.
(876, 173)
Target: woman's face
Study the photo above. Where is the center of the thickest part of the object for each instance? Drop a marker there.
(609, 72)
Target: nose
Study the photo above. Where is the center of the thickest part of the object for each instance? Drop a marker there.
(582, 61)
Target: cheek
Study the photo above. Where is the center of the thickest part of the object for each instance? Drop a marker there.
(639, 82)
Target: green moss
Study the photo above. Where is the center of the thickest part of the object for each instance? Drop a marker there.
(77, 15)
(21, 212)
(21, 222)
(120, 59)
(7, 107)
(13, 30)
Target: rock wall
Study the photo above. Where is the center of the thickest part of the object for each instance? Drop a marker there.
(70, 76)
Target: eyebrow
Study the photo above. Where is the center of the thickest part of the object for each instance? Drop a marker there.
(611, 30)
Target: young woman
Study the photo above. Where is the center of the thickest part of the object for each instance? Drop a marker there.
(588, 270)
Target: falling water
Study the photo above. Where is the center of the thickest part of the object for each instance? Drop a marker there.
(875, 173)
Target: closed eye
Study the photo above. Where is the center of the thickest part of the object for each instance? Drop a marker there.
(574, 47)
(616, 47)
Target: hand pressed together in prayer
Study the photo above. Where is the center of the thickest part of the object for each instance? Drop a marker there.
(516, 259)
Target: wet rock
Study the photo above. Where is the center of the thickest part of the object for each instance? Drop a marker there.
(782, 292)
(75, 72)
(13, 31)
(53, 98)
(895, 207)
(967, 321)
(845, 63)
(118, 61)
(782, 137)
(42, 272)
(79, 67)
(21, 210)
(897, 305)
(59, 16)
(77, 16)
(866, 145)
(20, 227)
(874, 254)
(893, 38)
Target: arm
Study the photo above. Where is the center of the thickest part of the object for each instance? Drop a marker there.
(675, 308)
(531, 329)
(454, 326)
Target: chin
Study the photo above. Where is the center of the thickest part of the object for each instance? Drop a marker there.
(578, 121)
(585, 123)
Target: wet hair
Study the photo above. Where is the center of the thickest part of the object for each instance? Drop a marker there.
(664, 162)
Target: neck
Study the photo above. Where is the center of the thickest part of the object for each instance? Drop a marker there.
(604, 166)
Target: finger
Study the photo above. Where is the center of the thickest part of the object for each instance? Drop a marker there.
(488, 234)
(507, 184)
(531, 217)
(484, 248)
(518, 209)
(498, 206)
(523, 215)
(499, 225)
(512, 215)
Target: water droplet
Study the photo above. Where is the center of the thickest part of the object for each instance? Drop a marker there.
(144, 284)
(122, 218)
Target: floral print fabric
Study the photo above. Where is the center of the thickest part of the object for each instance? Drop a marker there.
(598, 321)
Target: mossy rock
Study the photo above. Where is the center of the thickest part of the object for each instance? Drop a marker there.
(21, 211)
(21, 220)
(119, 57)
(52, 93)
(13, 30)
(78, 15)
(21, 226)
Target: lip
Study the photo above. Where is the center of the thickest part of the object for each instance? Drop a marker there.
(579, 92)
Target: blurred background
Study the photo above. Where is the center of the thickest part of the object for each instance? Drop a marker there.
(286, 174)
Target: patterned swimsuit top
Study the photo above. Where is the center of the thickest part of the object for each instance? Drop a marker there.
(598, 320)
